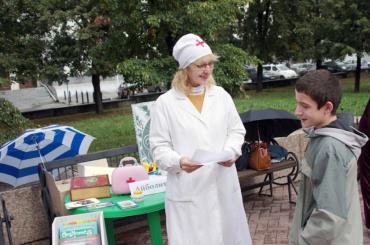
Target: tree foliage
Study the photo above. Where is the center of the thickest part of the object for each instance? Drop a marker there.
(260, 32)
(353, 19)
(148, 72)
(85, 38)
(305, 30)
(311, 31)
(230, 70)
(39, 39)
(22, 28)
(214, 21)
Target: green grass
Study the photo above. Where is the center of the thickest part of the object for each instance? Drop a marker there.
(283, 97)
(114, 128)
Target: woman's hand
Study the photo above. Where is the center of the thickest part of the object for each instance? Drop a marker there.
(188, 165)
(228, 163)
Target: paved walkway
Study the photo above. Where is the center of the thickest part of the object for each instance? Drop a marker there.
(32, 99)
(269, 221)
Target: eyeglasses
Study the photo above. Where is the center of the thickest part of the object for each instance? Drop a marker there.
(211, 65)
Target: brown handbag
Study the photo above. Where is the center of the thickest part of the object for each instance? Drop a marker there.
(260, 158)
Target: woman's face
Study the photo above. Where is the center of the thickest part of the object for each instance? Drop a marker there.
(200, 70)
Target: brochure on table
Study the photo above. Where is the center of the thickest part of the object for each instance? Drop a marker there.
(58, 221)
(81, 203)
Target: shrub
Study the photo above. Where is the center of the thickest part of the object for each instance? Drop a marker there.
(148, 72)
(12, 123)
(230, 71)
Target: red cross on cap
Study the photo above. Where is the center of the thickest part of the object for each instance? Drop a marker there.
(199, 43)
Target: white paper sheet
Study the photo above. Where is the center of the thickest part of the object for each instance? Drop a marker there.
(205, 157)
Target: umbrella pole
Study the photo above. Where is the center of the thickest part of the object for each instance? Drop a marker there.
(38, 149)
(41, 156)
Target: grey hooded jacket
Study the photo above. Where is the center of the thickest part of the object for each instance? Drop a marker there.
(328, 206)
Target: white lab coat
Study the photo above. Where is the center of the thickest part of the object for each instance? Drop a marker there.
(205, 206)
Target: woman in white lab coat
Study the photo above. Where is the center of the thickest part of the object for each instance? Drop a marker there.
(203, 202)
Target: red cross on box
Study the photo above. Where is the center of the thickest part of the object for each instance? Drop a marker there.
(130, 180)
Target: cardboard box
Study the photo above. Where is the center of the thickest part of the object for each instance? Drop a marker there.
(57, 190)
(92, 186)
(94, 215)
(96, 163)
(94, 170)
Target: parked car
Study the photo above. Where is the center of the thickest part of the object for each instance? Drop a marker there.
(303, 68)
(335, 67)
(281, 70)
(349, 66)
(125, 90)
(353, 63)
(155, 88)
(266, 75)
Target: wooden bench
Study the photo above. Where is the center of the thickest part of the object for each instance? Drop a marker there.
(291, 162)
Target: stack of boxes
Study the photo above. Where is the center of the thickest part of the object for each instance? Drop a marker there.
(81, 229)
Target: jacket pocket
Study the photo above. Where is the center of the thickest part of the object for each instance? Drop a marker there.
(179, 187)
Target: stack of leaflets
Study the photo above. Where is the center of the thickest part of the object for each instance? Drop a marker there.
(126, 204)
(99, 205)
(81, 203)
(82, 231)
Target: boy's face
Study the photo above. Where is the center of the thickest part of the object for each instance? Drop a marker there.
(307, 111)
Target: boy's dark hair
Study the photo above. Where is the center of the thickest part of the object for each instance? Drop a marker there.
(322, 87)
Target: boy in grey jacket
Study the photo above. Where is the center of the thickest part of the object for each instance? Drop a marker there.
(328, 205)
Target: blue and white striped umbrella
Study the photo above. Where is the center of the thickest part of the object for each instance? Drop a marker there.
(20, 157)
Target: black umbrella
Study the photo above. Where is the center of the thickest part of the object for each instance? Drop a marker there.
(267, 124)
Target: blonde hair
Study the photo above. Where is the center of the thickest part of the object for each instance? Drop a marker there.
(181, 82)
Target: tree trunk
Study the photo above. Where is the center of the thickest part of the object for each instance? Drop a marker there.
(97, 93)
(318, 64)
(358, 74)
(170, 42)
(259, 78)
